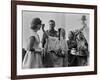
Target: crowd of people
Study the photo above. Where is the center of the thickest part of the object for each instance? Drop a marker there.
(56, 51)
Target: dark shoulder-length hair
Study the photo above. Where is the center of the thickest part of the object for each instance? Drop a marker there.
(63, 32)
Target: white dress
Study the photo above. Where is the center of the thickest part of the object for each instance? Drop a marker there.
(54, 44)
(33, 59)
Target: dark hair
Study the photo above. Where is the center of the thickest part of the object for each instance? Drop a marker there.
(52, 21)
(63, 34)
(35, 22)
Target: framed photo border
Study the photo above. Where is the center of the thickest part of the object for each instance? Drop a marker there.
(14, 39)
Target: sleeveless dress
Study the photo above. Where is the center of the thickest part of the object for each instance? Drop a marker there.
(33, 59)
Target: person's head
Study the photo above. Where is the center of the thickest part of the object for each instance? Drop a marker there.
(51, 24)
(36, 24)
(61, 33)
(70, 35)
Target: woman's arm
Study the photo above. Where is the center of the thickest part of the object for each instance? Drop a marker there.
(31, 43)
(80, 30)
(84, 26)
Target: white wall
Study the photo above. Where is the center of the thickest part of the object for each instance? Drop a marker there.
(5, 40)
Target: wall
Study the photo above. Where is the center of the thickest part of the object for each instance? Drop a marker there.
(5, 40)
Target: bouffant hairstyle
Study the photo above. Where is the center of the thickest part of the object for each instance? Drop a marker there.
(35, 22)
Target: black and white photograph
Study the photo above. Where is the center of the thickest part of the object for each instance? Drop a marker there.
(55, 39)
(52, 39)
